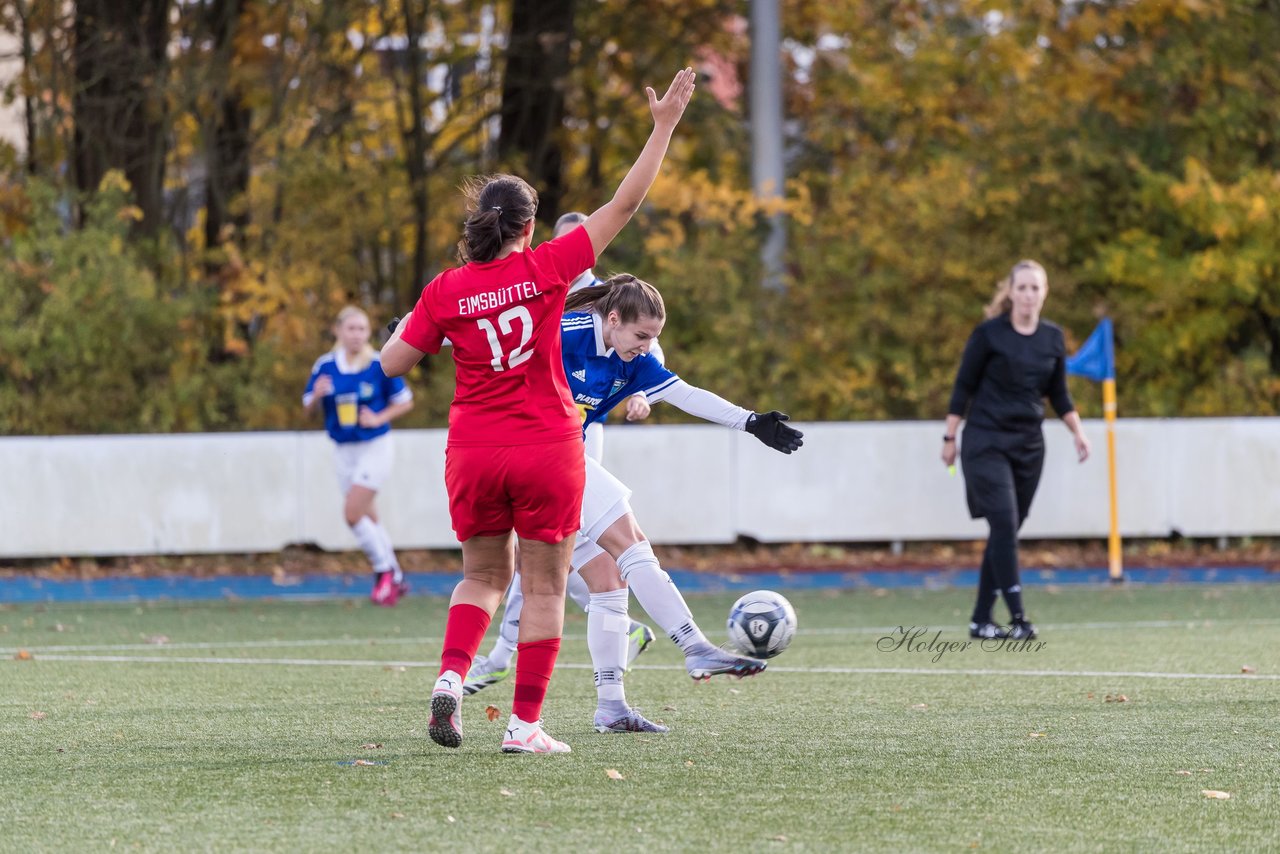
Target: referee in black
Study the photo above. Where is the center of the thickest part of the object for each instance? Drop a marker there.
(1011, 363)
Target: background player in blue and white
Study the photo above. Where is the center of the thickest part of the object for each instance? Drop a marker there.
(492, 668)
(607, 359)
(359, 402)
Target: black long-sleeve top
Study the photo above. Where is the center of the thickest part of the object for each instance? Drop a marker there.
(1005, 376)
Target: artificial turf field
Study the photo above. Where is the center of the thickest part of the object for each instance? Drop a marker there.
(246, 725)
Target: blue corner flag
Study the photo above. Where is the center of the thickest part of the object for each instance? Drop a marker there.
(1096, 358)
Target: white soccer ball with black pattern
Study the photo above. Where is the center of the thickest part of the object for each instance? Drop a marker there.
(762, 624)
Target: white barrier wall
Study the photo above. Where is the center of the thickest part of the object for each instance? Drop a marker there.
(252, 492)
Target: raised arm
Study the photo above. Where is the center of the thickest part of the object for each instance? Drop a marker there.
(604, 225)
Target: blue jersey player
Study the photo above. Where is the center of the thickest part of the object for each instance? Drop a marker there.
(606, 336)
(359, 402)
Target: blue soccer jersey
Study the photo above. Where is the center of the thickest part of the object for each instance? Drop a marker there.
(352, 390)
(599, 379)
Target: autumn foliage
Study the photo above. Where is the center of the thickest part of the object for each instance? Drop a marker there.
(310, 155)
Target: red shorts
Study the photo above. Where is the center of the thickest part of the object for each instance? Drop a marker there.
(535, 489)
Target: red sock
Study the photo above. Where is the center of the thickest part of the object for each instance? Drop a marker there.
(534, 662)
(463, 632)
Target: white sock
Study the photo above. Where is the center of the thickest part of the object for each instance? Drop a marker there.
(577, 590)
(397, 574)
(370, 540)
(607, 625)
(657, 594)
(509, 629)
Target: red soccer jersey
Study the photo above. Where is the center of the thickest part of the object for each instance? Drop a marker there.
(503, 319)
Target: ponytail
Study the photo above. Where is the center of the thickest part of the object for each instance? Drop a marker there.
(500, 206)
(623, 293)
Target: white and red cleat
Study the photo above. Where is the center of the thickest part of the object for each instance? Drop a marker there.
(525, 737)
(445, 724)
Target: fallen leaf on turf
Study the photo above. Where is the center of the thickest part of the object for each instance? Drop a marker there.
(1183, 773)
(158, 639)
(57, 627)
(506, 794)
(920, 706)
(668, 708)
(62, 750)
(1116, 698)
(1215, 795)
(450, 819)
(1089, 696)
(688, 763)
(370, 746)
(1247, 668)
(492, 712)
(365, 762)
(1037, 735)
(1206, 770)
(734, 691)
(612, 774)
(397, 815)
(22, 655)
(37, 716)
(780, 838)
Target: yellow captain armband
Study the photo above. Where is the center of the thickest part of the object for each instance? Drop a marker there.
(583, 410)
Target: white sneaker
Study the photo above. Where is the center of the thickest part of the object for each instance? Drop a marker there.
(704, 662)
(445, 725)
(529, 738)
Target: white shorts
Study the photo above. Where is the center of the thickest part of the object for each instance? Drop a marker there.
(594, 438)
(366, 464)
(604, 501)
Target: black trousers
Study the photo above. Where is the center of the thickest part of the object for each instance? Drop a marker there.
(1001, 474)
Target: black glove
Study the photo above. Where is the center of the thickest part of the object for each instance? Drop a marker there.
(391, 327)
(771, 429)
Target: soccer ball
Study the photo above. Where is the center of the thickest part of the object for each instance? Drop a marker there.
(761, 624)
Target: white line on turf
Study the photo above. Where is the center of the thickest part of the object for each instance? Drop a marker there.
(904, 671)
(402, 641)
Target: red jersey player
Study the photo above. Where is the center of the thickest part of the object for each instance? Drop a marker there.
(514, 458)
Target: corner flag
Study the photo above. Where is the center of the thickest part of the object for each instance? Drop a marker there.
(1096, 360)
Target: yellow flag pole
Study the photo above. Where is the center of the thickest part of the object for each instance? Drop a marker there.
(1114, 559)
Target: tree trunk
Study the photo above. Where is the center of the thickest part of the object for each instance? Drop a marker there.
(416, 155)
(121, 118)
(533, 85)
(29, 73)
(228, 133)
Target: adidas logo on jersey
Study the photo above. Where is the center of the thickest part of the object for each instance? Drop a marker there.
(580, 376)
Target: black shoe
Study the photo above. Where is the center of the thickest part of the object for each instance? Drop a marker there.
(987, 631)
(1022, 630)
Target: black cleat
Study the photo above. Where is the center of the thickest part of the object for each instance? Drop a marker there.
(987, 631)
(1022, 631)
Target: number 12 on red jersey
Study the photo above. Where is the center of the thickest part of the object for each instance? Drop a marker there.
(506, 322)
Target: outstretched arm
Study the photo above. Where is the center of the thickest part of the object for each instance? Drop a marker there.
(768, 427)
(604, 225)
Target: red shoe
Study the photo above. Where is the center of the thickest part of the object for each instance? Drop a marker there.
(385, 590)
